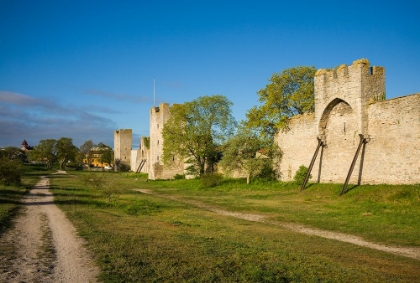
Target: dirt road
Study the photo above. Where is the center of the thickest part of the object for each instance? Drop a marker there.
(43, 245)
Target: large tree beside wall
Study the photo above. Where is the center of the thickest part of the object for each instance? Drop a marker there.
(250, 153)
(196, 129)
(288, 93)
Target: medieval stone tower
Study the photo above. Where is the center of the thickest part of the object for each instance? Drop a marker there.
(158, 116)
(361, 137)
(122, 146)
(348, 87)
(157, 170)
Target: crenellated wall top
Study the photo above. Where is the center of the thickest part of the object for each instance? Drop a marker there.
(345, 71)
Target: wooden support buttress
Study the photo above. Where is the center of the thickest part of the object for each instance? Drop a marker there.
(320, 143)
(142, 162)
(353, 163)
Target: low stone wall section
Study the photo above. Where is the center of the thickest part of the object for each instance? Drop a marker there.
(393, 150)
(297, 143)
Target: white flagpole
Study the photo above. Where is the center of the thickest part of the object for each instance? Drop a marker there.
(154, 92)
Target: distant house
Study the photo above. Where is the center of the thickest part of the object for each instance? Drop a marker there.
(96, 157)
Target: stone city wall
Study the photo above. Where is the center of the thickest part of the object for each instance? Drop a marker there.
(140, 157)
(393, 148)
(297, 145)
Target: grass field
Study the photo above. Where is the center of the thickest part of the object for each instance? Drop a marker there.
(151, 238)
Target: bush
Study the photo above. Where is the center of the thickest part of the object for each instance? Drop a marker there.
(103, 183)
(211, 180)
(124, 167)
(267, 173)
(192, 170)
(179, 177)
(301, 174)
(11, 172)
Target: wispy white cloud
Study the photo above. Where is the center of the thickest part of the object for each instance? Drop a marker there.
(15, 98)
(101, 109)
(118, 96)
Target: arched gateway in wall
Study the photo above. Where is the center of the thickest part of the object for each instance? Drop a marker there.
(342, 97)
(338, 127)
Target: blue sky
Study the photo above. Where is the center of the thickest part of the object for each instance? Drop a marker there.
(82, 69)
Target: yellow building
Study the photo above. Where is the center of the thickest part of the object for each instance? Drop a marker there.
(94, 157)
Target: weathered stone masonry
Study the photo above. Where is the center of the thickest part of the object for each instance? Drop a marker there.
(122, 146)
(140, 157)
(349, 102)
(157, 170)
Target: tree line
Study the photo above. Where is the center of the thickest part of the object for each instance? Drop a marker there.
(49, 152)
(63, 151)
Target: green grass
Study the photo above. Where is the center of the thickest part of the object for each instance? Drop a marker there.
(10, 196)
(147, 238)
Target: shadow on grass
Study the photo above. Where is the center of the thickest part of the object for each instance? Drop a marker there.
(72, 202)
(94, 203)
(6, 222)
(37, 174)
(11, 196)
(69, 190)
(309, 185)
(12, 193)
(10, 201)
(349, 188)
(58, 176)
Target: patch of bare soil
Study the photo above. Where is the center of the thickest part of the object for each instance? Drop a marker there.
(42, 245)
(411, 252)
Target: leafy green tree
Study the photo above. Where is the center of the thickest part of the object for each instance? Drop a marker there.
(107, 155)
(102, 145)
(249, 152)
(195, 129)
(66, 151)
(11, 159)
(86, 152)
(10, 171)
(46, 152)
(289, 93)
(13, 153)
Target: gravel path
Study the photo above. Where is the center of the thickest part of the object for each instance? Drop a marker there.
(43, 245)
(411, 252)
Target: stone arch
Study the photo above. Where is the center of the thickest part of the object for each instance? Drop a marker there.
(338, 129)
(326, 115)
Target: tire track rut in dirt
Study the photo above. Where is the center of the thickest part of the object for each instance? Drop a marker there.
(411, 252)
